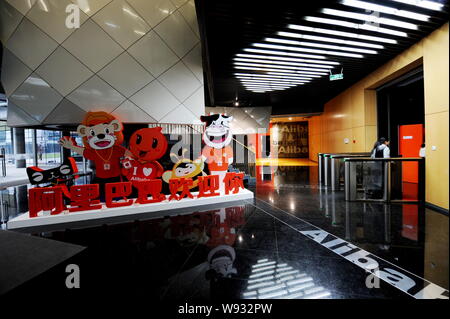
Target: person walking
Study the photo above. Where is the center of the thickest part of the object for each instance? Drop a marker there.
(375, 170)
(381, 149)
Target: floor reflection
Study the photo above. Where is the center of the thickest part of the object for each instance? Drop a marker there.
(254, 249)
(400, 233)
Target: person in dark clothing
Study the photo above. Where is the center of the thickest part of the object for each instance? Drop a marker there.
(381, 149)
(374, 177)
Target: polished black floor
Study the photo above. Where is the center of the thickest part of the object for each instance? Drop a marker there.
(225, 252)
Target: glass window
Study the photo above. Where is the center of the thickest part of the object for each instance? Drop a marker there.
(48, 149)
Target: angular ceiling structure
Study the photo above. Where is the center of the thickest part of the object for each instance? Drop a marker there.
(138, 59)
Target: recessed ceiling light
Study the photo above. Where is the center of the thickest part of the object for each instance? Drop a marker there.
(326, 39)
(311, 74)
(275, 78)
(247, 79)
(283, 63)
(320, 63)
(389, 10)
(277, 72)
(284, 67)
(300, 55)
(347, 24)
(250, 83)
(269, 85)
(257, 75)
(243, 79)
(342, 33)
(283, 47)
(423, 4)
(320, 45)
(267, 89)
(370, 18)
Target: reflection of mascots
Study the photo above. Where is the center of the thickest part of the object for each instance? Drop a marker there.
(221, 260)
(184, 168)
(146, 145)
(224, 224)
(102, 135)
(187, 230)
(217, 153)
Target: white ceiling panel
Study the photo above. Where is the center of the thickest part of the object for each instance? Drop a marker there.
(122, 22)
(126, 75)
(59, 60)
(93, 46)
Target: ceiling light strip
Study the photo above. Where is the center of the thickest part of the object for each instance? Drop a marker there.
(326, 39)
(249, 82)
(320, 45)
(279, 72)
(366, 27)
(370, 18)
(300, 55)
(285, 67)
(268, 85)
(431, 5)
(342, 34)
(275, 70)
(271, 76)
(384, 9)
(271, 80)
(288, 48)
(281, 58)
(283, 63)
(242, 79)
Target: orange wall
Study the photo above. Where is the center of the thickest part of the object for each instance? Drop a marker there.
(352, 114)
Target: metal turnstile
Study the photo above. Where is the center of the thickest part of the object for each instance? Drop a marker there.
(329, 167)
(336, 166)
(393, 185)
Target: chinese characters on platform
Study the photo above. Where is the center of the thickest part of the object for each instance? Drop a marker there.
(86, 197)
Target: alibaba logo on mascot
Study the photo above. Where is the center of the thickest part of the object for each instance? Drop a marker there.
(146, 146)
(102, 135)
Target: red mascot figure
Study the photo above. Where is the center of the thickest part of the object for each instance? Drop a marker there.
(102, 135)
(217, 152)
(146, 146)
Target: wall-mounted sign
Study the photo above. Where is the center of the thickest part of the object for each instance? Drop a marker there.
(334, 77)
(290, 139)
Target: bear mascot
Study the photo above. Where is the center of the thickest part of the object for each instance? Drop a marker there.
(102, 135)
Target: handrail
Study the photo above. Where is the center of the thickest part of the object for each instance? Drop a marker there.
(389, 159)
(349, 156)
(338, 154)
